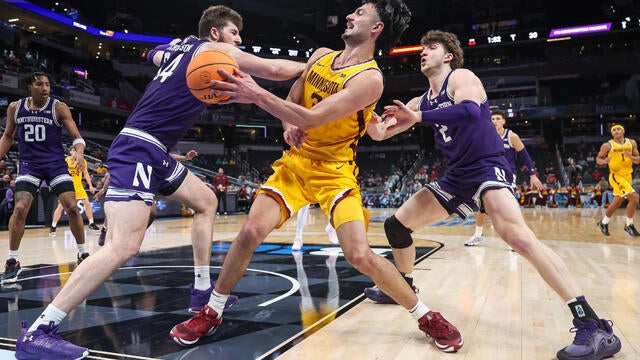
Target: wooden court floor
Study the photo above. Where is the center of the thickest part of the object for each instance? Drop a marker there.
(497, 300)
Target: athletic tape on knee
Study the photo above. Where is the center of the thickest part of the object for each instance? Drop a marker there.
(398, 235)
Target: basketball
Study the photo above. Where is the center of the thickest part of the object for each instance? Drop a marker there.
(203, 68)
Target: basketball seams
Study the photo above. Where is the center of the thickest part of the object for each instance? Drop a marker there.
(203, 67)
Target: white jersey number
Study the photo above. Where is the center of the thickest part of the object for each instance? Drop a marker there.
(167, 70)
(443, 129)
(34, 133)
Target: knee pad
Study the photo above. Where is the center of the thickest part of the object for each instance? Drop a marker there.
(398, 235)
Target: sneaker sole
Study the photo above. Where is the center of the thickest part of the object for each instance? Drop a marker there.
(449, 348)
(13, 278)
(186, 343)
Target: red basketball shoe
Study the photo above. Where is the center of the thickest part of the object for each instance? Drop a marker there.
(446, 337)
(202, 324)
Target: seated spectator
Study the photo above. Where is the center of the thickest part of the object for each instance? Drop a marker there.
(101, 170)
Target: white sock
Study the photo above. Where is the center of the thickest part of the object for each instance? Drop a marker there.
(13, 254)
(51, 313)
(90, 221)
(606, 219)
(81, 249)
(301, 220)
(202, 279)
(419, 310)
(478, 231)
(217, 301)
(53, 224)
(629, 221)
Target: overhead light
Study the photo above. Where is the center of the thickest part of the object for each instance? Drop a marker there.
(14, 20)
(31, 27)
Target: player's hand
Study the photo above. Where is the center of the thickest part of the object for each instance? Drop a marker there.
(97, 195)
(536, 183)
(401, 113)
(92, 189)
(78, 160)
(190, 155)
(294, 136)
(239, 86)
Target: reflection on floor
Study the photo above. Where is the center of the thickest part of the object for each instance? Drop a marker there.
(133, 312)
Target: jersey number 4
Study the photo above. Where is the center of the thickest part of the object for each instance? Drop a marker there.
(167, 70)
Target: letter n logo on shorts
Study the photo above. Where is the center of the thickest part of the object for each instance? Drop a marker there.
(142, 175)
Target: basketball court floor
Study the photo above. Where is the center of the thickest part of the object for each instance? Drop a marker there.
(497, 300)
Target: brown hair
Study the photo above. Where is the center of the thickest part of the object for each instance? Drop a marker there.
(499, 113)
(217, 17)
(450, 43)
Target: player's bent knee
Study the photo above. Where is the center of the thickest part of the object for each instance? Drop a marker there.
(398, 235)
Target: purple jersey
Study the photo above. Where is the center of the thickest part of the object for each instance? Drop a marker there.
(167, 110)
(509, 150)
(463, 146)
(39, 133)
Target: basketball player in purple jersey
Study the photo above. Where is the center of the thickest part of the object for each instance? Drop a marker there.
(478, 176)
(512, 145)
(141, 167)
(37, 121)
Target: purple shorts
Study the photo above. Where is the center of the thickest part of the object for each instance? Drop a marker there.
(141, 168)
(460, 189)
(54, 172)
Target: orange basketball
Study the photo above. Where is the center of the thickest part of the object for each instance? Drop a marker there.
(203, 68)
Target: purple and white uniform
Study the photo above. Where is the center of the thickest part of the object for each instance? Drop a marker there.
(139, 162)
(41, 155)
(510, 154)
(475, 156)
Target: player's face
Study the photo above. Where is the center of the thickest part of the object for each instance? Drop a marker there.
(498, 121)
(360, 22)
(230, 34)
(40, 88)
(617, 133)
(433, 56)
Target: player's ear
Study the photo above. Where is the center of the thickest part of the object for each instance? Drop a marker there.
(214, 34)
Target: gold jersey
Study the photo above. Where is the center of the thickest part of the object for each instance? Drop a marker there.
(619, 163)
(76, 175)
(338, 139)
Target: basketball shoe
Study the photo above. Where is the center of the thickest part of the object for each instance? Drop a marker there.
(102, 237)
(333, 236)
(82, 257)
(297, 244)
(446, 337)
(204, 323)
(474, 240)
(200, 298)
(604, 228)
(11, 271)
(631, 230)
(379, 297)
(93, 226)
(43, 343)
(591, 342)
(52, 231)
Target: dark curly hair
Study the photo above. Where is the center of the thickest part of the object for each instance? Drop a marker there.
(395, 15)
(450, 43)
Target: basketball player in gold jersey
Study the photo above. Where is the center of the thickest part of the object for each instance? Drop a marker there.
(81, 194)
(328, 110)
(620, 154)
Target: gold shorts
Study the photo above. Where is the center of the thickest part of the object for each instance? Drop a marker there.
(80, 191)
(621, 184)
(298, 181)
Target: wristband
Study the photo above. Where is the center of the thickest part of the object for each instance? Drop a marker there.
(78, 141)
